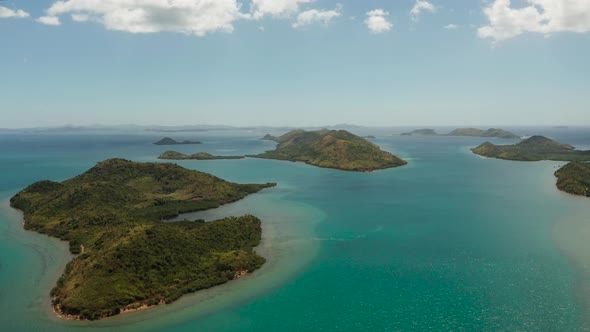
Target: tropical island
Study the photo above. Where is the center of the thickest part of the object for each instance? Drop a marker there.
(170, 141)
(338, 149)
(574, 178)
(128, 258)
(534, 148)
(173, 155)
(470, 132)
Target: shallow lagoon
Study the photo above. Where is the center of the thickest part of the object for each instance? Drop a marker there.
(451, 240)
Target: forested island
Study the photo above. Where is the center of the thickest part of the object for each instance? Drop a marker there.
(127, 257)
(170, 141)
(470, 132)
(574, 178)
(173, 155)
(534, 148)
(338, 149)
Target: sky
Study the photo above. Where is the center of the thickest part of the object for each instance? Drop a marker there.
(294, 62)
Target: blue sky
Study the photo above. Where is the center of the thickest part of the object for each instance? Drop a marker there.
(294, 62)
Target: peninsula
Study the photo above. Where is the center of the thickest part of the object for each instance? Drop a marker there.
(574, 178)
(173, 155)
(127, 258)
(170, 141)
(338, 149)
(534, 148)
(470, 132)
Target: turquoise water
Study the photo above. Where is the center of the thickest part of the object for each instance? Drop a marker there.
(450, 242)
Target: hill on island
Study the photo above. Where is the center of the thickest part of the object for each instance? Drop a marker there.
(337, 149)
(170, 141)
(470, 132)
(173, 155)
(128, 258)
(534, 148)
(574, 178)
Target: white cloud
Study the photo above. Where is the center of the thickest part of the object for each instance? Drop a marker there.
(419, 7)
(315, 16)
(49, 20)
(451, 26)
(275, 8)
(11, 13)
(377, 21)
(539, 16)
(80, 17)
(197, 17)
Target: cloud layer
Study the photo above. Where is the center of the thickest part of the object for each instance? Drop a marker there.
(539, 16)
(200, 17)
(377, 21)
(11, 13)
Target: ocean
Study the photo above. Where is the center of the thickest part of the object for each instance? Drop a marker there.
(452, 241)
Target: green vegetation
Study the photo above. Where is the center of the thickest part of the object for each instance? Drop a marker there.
(533, 149)
(425, 132)
(337, 149)
(173, 155)
(170, 141)
(474, 132)
(574, 178)
(128, 258)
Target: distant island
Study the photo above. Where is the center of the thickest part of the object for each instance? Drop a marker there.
(338, 149)
(574, 178)
(369, 137)
(533, 149)
(474, 132)
(128, 259)
(471, 132)
(170, 141)
(173, 155)
(425, 132)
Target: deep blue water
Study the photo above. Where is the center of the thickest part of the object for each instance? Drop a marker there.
(450, 242)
